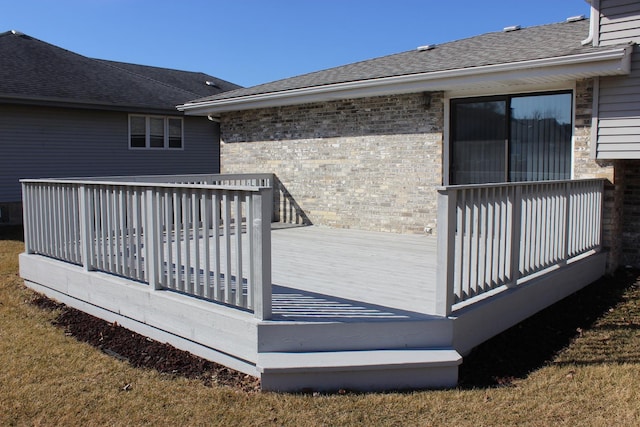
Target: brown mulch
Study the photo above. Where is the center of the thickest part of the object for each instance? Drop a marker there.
(143, 352)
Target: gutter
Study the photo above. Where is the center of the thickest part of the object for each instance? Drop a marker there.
(615, 61)
(594, 24)
(83, 105)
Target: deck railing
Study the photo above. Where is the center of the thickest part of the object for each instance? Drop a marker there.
(495, 235)
(180, 233)
(285, 209)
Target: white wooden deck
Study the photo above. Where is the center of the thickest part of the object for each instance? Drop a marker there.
(343, 308)
(356, 270)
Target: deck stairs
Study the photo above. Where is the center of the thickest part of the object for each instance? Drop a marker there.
(354, 346)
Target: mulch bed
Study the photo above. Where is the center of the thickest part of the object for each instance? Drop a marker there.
(511, 355)
(143, 352)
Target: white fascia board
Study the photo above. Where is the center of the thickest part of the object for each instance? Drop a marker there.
(610, 62)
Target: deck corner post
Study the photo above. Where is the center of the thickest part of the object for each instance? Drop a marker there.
(26, 218)
(262, 211)
(445, 256)
(514, 239)
(150, 239)
(86, 237)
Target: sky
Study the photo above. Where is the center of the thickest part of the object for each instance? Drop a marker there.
(249, 42)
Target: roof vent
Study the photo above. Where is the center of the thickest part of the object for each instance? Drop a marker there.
(511, 28)
(426, 47)
(212, 84)
(17, 33)
(575, 18)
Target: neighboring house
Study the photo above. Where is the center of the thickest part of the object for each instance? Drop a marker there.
(365, 145)
(63, 114)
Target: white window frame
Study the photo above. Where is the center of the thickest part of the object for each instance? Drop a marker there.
(165, 121)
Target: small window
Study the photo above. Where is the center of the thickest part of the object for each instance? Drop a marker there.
(175, 133)
(138, 132)
(155, 132)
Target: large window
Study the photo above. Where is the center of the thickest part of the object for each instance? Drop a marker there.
(155, 132)
(511, 138)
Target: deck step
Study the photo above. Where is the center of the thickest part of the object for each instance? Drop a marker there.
(365, 370)
(310, 336)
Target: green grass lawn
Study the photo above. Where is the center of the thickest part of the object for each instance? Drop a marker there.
(577, 363)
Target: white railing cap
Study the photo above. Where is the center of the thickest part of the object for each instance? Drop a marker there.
(513, 184)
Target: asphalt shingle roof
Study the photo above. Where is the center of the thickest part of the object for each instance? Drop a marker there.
(545, 41)
(35, 70)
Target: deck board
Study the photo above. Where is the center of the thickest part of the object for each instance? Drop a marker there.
(385, 269)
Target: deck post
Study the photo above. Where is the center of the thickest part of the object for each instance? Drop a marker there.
(275, 198)
(599, 218)
(567, 223)
(86, 237)
(514, 238)
(26, 217)
(445, 256)
(151, 241)
(262, 210)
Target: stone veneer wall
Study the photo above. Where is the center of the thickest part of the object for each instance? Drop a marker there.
(369, 164)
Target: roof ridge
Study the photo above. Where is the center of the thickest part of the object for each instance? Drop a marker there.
(13, 32)
(28, 37)
(108, 63)
(149, 66)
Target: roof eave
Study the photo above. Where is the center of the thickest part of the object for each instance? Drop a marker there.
(85, 105)
(616, 61)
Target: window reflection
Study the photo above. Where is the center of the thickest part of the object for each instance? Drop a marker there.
(479, 147)
(540, 143)
(514, 138)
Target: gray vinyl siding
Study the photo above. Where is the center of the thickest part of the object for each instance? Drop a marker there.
(39, 142)
(618, 134)
(619, 22)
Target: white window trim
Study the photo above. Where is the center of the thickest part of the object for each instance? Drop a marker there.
(165, 120)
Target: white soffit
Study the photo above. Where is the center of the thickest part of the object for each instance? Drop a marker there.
(546, 71)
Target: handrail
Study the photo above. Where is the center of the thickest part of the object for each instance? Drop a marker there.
(493, 235)
(189, 178)
(186, 237)
(285, 208)
(143, 184)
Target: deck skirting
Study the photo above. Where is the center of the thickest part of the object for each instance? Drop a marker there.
(223, 335)
(304, 337)
(478, 322)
